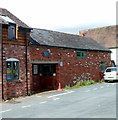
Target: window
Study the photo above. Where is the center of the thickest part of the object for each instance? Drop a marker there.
(111, 70)
(47, 69)
(103, 66)
(46, 53)
(35, 69)
(12, 31)
(113, 63)
(12, 69)
(81, 54)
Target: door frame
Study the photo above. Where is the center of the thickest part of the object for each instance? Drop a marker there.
(56, 63)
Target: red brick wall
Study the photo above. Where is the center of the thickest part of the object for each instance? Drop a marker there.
(0, 61)
(0, 71)
(15, 88)
(15, 49)
(73, 69)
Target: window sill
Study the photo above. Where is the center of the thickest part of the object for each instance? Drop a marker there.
(15, 80)
(12, 39)
(81, 57)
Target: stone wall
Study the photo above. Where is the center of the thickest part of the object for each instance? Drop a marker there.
(69, 70)
(15, 49)
(15, 88)
(73, 68)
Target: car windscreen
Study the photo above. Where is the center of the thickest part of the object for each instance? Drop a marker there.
(111, 69)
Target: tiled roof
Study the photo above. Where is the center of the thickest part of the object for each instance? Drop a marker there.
(59, 39)
(107, 36)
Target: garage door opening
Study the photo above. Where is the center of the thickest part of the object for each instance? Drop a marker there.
(44, 77)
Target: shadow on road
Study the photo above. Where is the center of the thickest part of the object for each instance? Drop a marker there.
(115, 81)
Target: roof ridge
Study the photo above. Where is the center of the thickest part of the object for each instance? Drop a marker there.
(4, 11)
(58, 32)
(97, 28)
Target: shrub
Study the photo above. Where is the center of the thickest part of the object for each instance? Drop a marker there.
(92, 81)
(81, 83)
(10, 98)
(67, 87)
(29, 94)
(102, 80)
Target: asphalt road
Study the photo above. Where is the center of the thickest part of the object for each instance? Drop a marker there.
(95, 101)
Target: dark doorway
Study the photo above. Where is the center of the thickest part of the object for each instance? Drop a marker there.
(44, 77)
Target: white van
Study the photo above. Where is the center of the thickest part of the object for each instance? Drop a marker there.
(111, 74)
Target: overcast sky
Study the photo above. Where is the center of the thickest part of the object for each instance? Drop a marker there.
(63, 15)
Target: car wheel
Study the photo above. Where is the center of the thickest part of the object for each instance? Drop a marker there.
(106, 80)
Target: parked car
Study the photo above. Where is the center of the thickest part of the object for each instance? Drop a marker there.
(111, 74)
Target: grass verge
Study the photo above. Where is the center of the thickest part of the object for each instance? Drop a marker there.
(81, 83)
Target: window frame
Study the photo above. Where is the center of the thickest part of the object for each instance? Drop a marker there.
(103, 66)
(49, 73)
(18, 65)
(81, 52)
(11, 32)
(37, 70)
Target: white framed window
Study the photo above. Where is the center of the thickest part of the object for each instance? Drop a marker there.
(12, 69)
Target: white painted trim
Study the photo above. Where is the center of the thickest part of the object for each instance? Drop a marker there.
(45, 62)
(12, 59)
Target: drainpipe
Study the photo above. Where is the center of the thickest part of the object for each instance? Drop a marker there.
(2, 61)
(26, 63)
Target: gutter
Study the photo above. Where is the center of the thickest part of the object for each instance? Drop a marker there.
(62, 47)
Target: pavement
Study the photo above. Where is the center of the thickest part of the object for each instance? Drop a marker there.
(94, 101)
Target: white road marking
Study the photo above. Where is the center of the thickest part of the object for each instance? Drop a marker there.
(43, 102)
(26, 106)
(87, 91)
(60, 94)
(95, 89)
(66, 90)
(56, 98)
(101, 87)
(107, 85)
(23, 98)
(5, 111)
(38, 96)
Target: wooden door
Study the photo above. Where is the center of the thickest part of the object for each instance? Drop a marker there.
(48, 76)
(36, 78)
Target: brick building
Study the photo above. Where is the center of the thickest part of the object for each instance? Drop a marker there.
(107, 36)
(35, 60)
(0, 61)
(15, 37)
